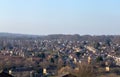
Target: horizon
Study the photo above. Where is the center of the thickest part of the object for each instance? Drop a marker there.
(88, 17)
(55, 34)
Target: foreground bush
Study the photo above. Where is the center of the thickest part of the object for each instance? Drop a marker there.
(84, 70)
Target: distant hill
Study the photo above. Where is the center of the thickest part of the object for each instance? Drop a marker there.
(14, 35)
(101, 38)
(47, 37)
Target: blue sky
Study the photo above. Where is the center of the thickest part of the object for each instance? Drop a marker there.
(95, 17)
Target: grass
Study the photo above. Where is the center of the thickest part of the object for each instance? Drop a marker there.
(109, 75)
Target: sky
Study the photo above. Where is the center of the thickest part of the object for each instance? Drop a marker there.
(43, 17)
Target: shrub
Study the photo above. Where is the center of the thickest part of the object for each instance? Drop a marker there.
(84, 70)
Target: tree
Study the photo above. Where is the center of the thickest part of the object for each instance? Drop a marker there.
(108, 41)
(78, 54)
(42, 55)
(96, 45)
(99, 59)
(52, 60)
